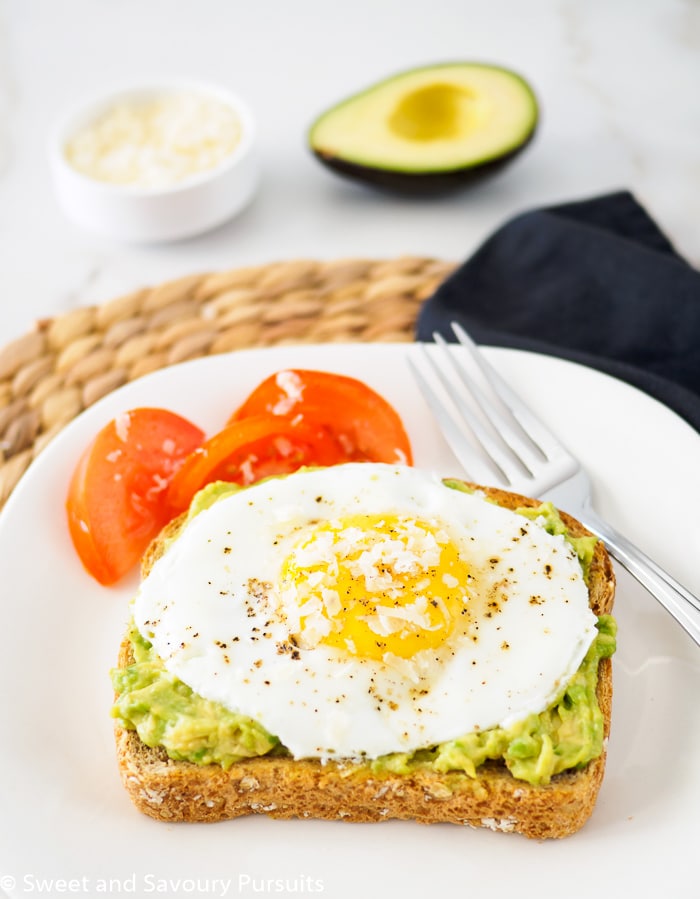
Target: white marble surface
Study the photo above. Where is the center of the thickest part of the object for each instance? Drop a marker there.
(617, 81)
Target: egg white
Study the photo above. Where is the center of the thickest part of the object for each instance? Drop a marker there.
(212, 608)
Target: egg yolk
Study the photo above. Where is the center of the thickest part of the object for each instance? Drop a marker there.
(375, 585)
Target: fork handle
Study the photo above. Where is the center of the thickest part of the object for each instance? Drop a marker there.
(673, 596)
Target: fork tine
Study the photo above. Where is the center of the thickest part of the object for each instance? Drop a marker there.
(489, 428)
(476, 468)
(508, 429)
(531, 427)
(508, 464)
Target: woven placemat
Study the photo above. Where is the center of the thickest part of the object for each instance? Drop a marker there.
(66, 363)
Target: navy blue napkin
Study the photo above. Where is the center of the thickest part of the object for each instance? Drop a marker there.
(596, 282)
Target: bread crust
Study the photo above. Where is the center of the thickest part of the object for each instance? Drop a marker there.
(281, 787)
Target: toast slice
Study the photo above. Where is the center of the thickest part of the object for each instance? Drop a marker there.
(282, 787)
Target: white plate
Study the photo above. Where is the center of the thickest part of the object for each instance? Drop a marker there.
(64, 814)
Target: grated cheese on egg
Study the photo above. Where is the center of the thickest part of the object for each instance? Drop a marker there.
(389, 620)
(156, 143)
(382, 583)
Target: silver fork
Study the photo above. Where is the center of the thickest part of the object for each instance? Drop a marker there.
(511, 448)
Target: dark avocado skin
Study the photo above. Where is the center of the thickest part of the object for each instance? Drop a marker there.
(421, 184)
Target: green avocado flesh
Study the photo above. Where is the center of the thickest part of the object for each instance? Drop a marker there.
(428, 127)
(167, 713)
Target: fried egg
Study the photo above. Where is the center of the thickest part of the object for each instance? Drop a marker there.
(365, 609)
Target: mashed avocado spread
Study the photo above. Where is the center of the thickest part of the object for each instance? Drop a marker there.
(167, 713)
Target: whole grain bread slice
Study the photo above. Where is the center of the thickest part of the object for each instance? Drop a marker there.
(282, 787)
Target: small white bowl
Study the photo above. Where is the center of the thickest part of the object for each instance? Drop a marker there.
(144, 214)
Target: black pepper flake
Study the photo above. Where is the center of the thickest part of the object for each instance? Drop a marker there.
(227, 550)
(288, 647)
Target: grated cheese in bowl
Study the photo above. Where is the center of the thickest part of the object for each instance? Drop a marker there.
(156, 142)
(156, 162)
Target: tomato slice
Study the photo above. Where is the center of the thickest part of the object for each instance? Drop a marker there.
(367, 426)
(253, 448)
(117, 498)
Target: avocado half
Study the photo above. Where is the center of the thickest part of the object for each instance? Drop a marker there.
(429, 129)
